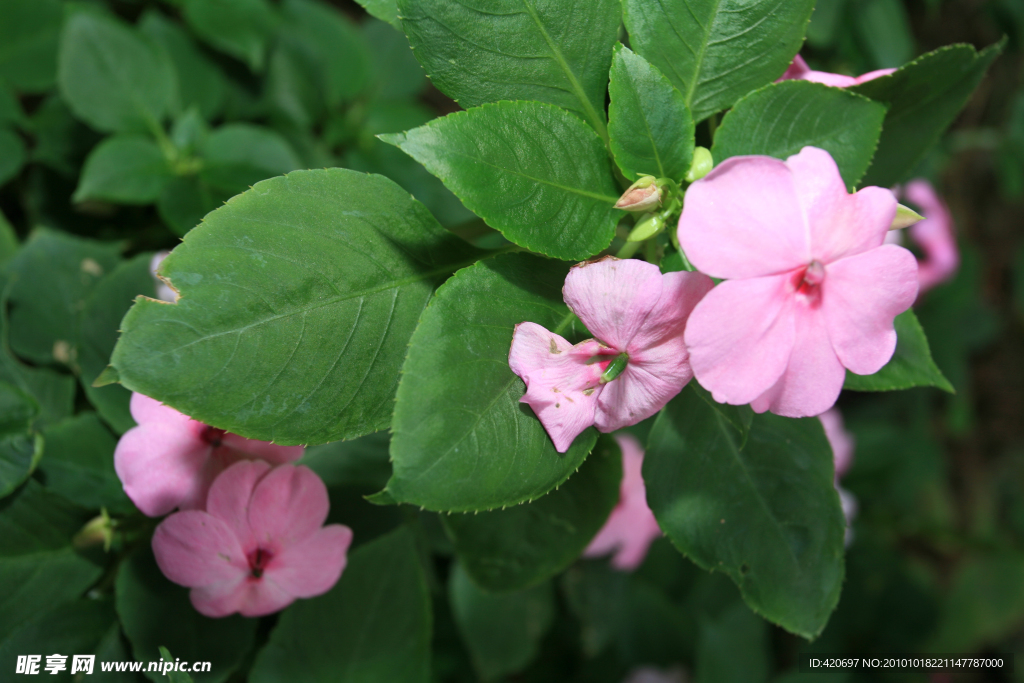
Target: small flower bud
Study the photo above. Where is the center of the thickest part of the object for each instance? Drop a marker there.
(701, 166)
(99, 529)
(647, 227)
(643, 195)
(905, 217)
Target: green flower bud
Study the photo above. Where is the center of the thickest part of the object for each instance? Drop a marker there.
(647, 227)
(905, 217)
(701, 166)
(643, 195)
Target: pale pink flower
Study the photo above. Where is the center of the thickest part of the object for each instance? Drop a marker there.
(163, 290)
(169, 460)
(258, 546)
(636, 314)
(841, 442)
(810, 289)
(799, 71)
(934, 235)
(631, 527)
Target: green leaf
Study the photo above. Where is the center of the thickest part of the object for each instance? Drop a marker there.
(200, 82)
(766, 514)
(461, 440)
(544, 50)
(79, 464)
(239, 155)
(332, 47)
(101, 320)
(53, 392)
(8, 241)
(385, 10)
(74, 628)
(502, 632)
(39, 569)
(62, 141)
(112, 77)
(737, 629)
(984, 604)
(650, 126)
(360, 462)
(173, 676)
(157, 613)
(298, 301)
(10, 107)
(373, 626)
(51, 277)
(20, 449)
(28, 33)
(716, 51)
(911, 364)
(923, 97)
(521, 546)
(240, 28)
(125, 169)
(12, 154)
(186, 200)
(291, 92)
(396, 75)
(882, 27)
(781, 119)
(530, 170)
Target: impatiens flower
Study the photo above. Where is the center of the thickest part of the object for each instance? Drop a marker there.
(169, 460)
(634, 366)
(810, 290)
(799, 71)
(842, 456)
(934, 235)
(631, 528)
(258, 546)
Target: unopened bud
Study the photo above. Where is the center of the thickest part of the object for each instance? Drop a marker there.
(905, 217)
(643, 195)
(98, 530)
(701, 166)
(647, 227)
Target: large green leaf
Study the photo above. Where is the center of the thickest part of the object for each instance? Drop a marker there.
(186, 200)
(12, 154)
(502, 632)
(650, 126)
(111, 76)
(75, 628)
(20, 449)
(51, 276)
(396, 75)
(911, 364)
(781, 119)
(523, 545)
(240, 28)
(923, 98)
(101, 320)
(735, 630)
(298, 301)
(385, 10)
(125, 169)
(479, 51)
(766, 513)
(38, 567)
(9, 244)
(716, 51)
(28, 43)
(373, 626)
(200, 82)
(461, 438)
(155, 612)
(531, 170)
(79, 464)
(238, 155)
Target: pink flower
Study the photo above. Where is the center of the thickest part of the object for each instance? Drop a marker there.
(799, 71)
(259, 544)
(841, 442)
(639, 316)
(934, 235)
(810, 290)
(631, 528)
(169, 460)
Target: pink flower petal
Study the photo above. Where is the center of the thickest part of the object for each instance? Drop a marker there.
(744, 220)
(613, 297)
(194, 548)
(288, 505)
(159, 464)
(312, 566)
(872, 75)
(797, 68)
(146, 410)
(631, 527)
(813, 377)
(660, 339)
(741, 336)
(839, 439)
(861, 295)
(231, 496)
(263, 450)
(830, 79)
(638, 393)
(251, 598)
(840, 224)
(561, 386)
(934, 235)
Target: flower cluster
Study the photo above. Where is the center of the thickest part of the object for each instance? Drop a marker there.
(249, 536)
(809, 290)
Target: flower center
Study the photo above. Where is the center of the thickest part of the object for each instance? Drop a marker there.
(814, 274)
(808, 282)
(213, 436)
(258, 561)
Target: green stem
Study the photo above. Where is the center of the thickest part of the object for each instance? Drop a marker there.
(628, 249)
